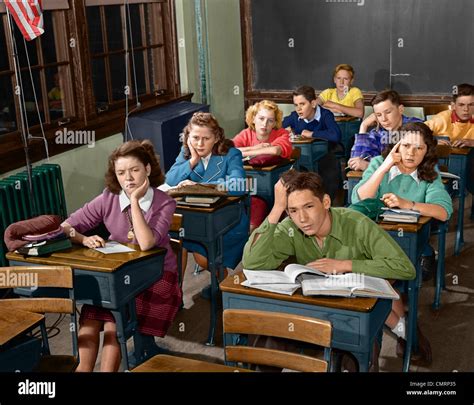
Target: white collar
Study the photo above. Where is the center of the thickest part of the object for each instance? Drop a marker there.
(317, 116)
(395, 171)
(205, 160)
(144, 202)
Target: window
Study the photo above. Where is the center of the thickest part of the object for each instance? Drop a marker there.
(49, 79)
(79, 68)
(112, 28)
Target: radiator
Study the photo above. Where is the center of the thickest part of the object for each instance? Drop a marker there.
(15, 201)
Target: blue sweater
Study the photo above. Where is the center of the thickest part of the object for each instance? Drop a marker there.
(325, 128)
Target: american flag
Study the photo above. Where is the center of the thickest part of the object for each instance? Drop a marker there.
(28, 16)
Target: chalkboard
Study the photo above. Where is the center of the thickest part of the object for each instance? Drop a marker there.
(412, 46)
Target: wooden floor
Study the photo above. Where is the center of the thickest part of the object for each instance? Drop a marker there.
(450, 329)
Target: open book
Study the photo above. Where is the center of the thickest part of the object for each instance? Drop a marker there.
(400, 215)
(314, 282)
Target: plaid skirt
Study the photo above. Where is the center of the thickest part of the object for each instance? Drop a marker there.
(156, 307)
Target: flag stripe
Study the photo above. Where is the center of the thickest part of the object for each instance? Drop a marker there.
(28, 17)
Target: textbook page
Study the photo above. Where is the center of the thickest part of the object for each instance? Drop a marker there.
(377, 287)
(266, 277)
(114, 247)
(294, 270)
(287, 289)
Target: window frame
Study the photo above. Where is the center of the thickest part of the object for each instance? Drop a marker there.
(104, 124)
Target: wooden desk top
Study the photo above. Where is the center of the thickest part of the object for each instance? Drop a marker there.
(14, 323)
(219, 204)
(83, 258)
(303, 141)
(270, 168)
(411, 228)
(347, 119)
(460, 151)
(350, 304)
(355, 174)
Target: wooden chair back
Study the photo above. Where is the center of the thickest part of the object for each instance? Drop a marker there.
(295, 153)
(434, 109)
(280, 325)
(58, 277)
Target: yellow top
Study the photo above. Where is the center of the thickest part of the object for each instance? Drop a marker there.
(349, 99)
(441, 124)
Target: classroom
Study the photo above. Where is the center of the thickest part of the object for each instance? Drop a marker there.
(323, 113)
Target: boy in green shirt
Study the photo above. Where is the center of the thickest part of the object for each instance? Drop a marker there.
(332, 240)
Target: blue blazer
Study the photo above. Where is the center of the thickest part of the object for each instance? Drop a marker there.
(221, 168)
(229, 169)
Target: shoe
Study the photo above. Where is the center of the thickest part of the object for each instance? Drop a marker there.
(374, 361)
(349, 364)
(428, 267)
(423, 356)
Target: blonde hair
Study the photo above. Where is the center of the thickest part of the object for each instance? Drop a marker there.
(268, 105)
(344, 66)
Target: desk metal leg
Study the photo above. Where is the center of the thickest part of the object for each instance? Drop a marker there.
(460, 226)
(440, 273)
(412, 338)
(363, 359)
(121, 339)
(214, 255)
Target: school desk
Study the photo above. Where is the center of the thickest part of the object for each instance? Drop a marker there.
(412, 238)
(312, 150)
(356, 322)
(18, 354)
(457, 164)
(110, 281)
(265, 178)
(208, 226)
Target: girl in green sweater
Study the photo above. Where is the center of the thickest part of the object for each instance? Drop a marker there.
(405, 177)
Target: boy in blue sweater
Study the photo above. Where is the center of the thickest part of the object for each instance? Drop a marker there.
(313, 121)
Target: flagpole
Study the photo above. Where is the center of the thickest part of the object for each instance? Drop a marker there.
(24, 136)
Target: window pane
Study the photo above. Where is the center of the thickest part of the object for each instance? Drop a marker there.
(7, 106)
(30, 46)
(157, 71)
(117, 73)
(3, 48)
(56, 85)
(135, 26)
(96, 42)
(47, 39)
(140, 73)
(30, 107)
(100, 83)
(113, 20)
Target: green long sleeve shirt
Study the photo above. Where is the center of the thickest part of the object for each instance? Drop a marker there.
(405, 186)
(353, 237)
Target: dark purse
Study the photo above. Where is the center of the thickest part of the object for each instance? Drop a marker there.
(265, 160)
(370, 207)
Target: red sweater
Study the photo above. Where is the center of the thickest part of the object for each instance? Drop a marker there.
(278, 137)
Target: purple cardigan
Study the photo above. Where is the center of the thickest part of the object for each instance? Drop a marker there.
(106, 208)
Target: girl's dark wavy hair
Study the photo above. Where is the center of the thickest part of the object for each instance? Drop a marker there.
(201, 119)
(145, 153)
(426, 169)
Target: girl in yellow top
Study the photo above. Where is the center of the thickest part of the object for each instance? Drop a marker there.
(343, 99)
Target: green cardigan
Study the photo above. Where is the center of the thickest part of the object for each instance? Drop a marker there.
(405, 186)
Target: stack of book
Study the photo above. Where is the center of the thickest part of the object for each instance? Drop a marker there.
(399, 215)
(39, 245)
(200, 195)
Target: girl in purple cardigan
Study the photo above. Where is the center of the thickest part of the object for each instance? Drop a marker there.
(133, 211)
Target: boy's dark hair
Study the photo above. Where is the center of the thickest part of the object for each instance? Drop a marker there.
(464, 89)
(391, 95)
(426, 169)
(296, 181)
(306, 91)
(145, 153)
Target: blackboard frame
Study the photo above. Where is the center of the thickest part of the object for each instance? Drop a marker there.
(252, 94)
